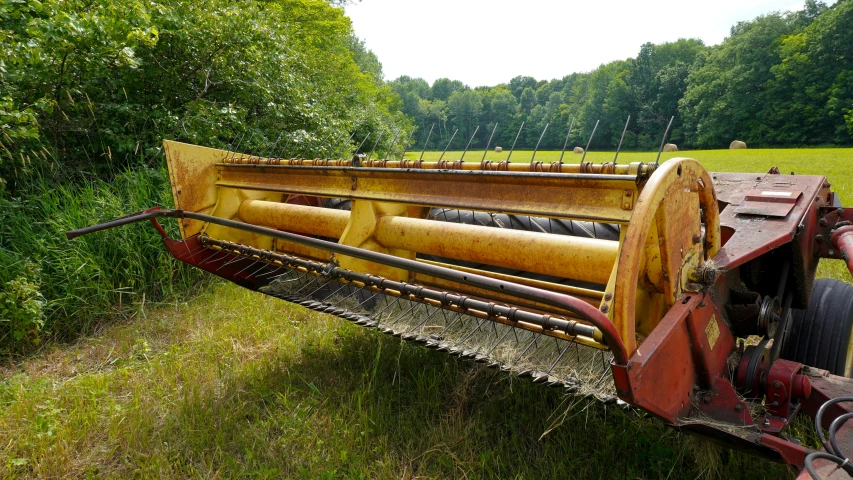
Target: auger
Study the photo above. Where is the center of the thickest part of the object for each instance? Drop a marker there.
(687, 294)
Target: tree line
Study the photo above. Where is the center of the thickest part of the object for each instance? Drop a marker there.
(782, 79)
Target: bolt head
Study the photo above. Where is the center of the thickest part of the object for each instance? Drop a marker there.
(738, 408)
(777, 384)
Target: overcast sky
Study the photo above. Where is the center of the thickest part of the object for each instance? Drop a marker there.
(486, 42)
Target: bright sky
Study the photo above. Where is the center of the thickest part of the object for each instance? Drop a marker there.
(486, 42)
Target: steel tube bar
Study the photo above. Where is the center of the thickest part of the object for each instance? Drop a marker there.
(606, 329)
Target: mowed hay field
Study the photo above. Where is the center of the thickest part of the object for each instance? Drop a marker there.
(235, 384)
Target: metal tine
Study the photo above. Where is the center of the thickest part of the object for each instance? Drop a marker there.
(663, 140)
(246, 145)
(540, 141)
(279, 267)
(343, 285)
(390, 147)
(191, 252)
(210, 259)
(458, 316)
(354, 292)
(230, 144)
(535, 335)
(328, 281)
(271, 147)
(236, 258)
(362, 142)
(429, 315)
(406, 146)
(621, 139)
(469, 142)
(323, 143)
(563, 352)
(400, 316)
(514, 141)
(480, 323)
(378, 139)
(448, 144)
(237, 148)
(246, 267)
(509, 329)
(489, 143)
(344, 146)
(588, 142)
(572, 124)
(375, 294)
(286, 145)
(427, 141)
(307, 284)
(332, 148)
(265, 265)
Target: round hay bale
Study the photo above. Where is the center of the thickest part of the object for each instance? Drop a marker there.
(737, 144)
(670, 147)
(578, 150)
(498, 149)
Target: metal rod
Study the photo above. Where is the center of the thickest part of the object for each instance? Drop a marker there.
(344, 146)
(663, 140)
(237, 148)
(469, 142)
(284, 148)
(271, 146)
(572, 124)
(427, 141)
(602, 327)
(514, 141)
(540, 141)
(378, 139)
(362, 142)
(590, 140)
(619, 147)
(391, 147)
(489, 143)
(406, 145)
(448, 144)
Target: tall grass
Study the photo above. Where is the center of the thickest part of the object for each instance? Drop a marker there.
(86, 279)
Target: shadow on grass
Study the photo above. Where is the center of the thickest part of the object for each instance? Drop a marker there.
(369, 406)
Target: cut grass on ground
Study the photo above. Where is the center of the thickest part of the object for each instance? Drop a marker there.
(235, 384)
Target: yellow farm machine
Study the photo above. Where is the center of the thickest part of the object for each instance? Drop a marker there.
(687, 294)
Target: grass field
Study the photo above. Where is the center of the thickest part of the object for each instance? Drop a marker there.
(235, 384)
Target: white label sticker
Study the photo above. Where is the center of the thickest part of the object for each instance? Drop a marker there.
(776, 194)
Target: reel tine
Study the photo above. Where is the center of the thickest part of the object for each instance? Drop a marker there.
(426, 142)
(567, 139)
(589, 142)
(514, 142)
(489, 143)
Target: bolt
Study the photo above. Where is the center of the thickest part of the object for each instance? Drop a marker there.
(703, 304)
(831, 252)
(605, 308)
(777, 384)
(608, 296)
(706, 399)
(738, 408)
(696, 239)
(822, 222)
(800, 228)
(774, 404)
(818, 238)
(629, 193)
(839, 212)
